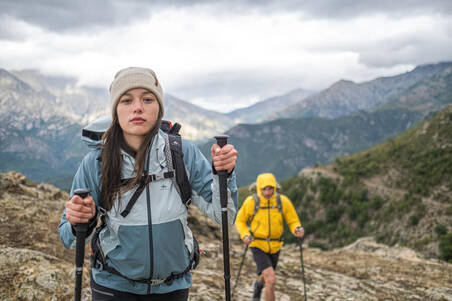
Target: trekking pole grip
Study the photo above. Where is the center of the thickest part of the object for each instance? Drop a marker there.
(222, 140)
(80, 231)
(81, 227)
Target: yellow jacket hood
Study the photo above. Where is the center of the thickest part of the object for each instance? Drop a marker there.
(264, 180)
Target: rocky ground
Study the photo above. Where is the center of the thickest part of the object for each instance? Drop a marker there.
(35, 266)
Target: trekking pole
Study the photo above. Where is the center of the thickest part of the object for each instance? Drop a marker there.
(240, 268)
(222, 140)
(80, 230)
(302, 267)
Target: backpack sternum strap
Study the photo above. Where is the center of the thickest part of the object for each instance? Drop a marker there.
(143, 182)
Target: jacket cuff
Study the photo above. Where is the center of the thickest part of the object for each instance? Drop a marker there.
(215, 172)
(92, 223)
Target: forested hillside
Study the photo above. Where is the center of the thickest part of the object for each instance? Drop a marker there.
(399, 192)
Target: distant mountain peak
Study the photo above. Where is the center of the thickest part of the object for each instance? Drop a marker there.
(9, 81)
(342, 83)
(439, 65)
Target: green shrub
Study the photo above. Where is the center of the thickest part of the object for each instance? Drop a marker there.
(449, 210)
(353, 211)
(334, 214)
(445, 247)
(441, 230)
(376, 202)
(315, 244)
(312, 227)
(363, 217)
(413, 220)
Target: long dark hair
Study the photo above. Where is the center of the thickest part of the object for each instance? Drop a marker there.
(112, 141)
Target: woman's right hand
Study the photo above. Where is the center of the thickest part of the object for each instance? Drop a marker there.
(80, 210)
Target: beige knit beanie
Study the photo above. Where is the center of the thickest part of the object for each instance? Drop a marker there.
(135, 77)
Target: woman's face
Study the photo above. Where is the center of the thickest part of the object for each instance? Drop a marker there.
(137, 112)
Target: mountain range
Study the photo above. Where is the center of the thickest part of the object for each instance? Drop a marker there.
(285, 146)
(41, 119)
(345, 97)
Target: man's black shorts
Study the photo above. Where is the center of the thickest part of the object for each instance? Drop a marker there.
(264, 260)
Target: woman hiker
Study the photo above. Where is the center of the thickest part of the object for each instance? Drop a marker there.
(144, 249)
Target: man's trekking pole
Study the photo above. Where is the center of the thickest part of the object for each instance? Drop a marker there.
(80, 230)
(302, 267)
(240, 268)
(222, 140)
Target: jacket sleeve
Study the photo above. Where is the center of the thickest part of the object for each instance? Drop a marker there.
(87, 177)
(290, 215)
(243, 216)
(205, 185)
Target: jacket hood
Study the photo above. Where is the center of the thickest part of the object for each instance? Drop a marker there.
(263, 180)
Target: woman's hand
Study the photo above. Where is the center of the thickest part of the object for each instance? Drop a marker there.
(80, 210)
(224, 158)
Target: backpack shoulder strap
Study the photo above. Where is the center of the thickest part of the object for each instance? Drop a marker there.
(279, 203)
(175, 161)
(256, 206)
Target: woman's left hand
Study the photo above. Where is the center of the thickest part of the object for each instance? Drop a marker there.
(224, 158)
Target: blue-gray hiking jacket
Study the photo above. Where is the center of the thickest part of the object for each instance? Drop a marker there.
(125, 240)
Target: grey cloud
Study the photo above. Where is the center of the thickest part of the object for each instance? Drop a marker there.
(353, 8)
(7, 32)
(328, 9)
(413, 50)
(58, 16)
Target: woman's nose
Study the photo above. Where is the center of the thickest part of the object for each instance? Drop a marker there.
(137, 106)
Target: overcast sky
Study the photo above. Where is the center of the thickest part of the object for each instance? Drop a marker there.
(223, 55)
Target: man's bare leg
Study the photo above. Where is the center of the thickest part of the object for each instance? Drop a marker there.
(268, 278)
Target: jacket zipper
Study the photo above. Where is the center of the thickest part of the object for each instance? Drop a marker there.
(151, 248)
(269, 227)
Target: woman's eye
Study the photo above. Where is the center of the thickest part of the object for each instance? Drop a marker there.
(125, 100)
(148, 100)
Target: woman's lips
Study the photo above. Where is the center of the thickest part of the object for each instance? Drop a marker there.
(137, 120)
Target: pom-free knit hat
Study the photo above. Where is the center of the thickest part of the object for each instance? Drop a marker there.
(135, 77)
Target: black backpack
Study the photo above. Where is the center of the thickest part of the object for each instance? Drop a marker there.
(176, 164)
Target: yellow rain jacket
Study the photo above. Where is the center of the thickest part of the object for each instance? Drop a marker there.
(268, 222)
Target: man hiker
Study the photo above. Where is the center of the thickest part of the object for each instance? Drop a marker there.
(264, 213)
